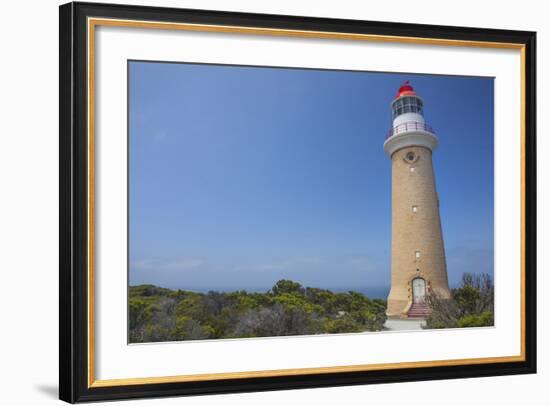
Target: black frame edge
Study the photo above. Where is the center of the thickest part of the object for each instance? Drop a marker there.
(67, 390)
(73, 206)
(531, 201)
(73, 386)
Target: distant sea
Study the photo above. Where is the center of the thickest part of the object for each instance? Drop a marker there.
(373, 292)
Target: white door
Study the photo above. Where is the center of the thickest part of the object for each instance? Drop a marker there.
(419, 290)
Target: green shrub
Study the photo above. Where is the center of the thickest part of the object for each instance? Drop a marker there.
(476, 320)
(470, 305)
(158, 314)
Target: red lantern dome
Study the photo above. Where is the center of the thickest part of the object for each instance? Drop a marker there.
(405, 90)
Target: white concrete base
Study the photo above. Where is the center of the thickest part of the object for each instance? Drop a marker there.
(404, 324)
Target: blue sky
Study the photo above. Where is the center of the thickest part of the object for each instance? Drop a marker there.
(241, 176)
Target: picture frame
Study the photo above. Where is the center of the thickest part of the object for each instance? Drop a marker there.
(79, 22)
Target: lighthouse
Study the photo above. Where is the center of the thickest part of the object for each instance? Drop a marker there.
(418, 265)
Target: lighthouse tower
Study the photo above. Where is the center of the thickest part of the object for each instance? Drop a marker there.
(418, 264)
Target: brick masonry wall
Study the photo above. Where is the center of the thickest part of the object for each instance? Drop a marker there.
(411, 232)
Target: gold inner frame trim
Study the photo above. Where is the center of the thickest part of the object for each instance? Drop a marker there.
(298, 371)
(94, 22)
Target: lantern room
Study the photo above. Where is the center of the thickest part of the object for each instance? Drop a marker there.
(406, 101)
(407, 104)
(409, 127)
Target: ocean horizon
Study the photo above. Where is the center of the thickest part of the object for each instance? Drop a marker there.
(374, 292)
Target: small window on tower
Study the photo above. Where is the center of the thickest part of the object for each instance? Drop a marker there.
(415, 209)
(412, 168)
(417, 254)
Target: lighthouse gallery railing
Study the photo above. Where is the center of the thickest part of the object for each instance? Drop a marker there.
(409, 126)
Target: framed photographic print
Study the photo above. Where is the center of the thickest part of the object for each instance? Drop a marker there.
(257, 202)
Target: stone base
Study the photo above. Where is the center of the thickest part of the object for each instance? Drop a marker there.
(397, 308)
(399, 324)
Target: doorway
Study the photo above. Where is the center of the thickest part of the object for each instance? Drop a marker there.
(419, 290)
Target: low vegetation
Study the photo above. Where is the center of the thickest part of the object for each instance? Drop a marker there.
(288, 308)
(470, 305)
